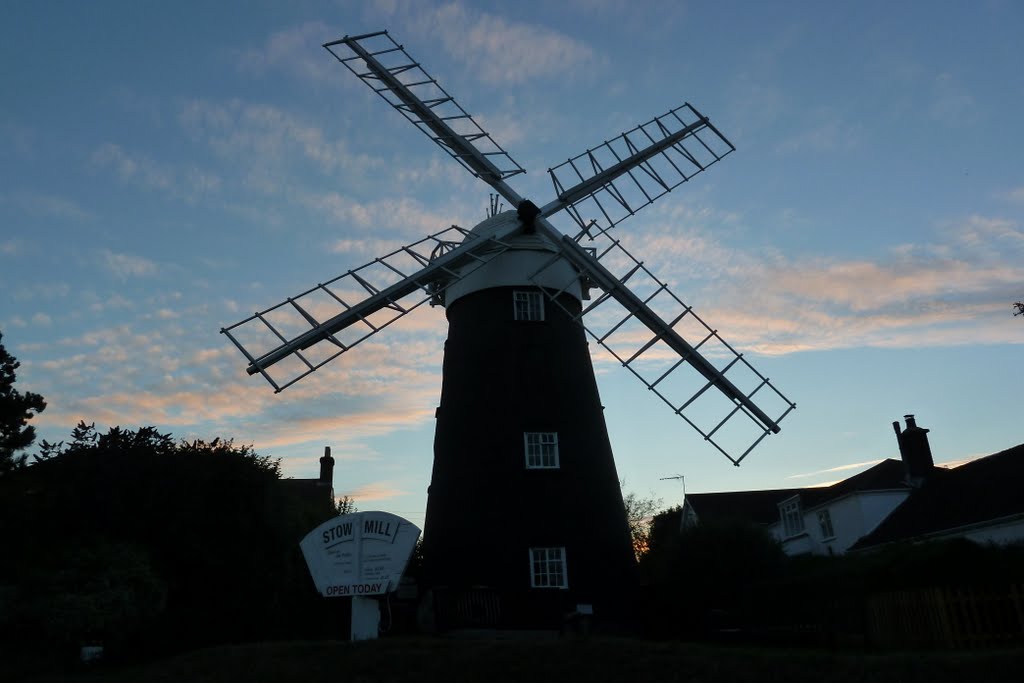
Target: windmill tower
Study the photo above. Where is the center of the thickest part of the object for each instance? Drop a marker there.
(525, 521)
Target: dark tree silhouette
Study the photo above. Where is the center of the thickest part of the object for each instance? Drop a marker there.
(16, 409)
(1020, 308)
(639, 513)
(143, 542)
(346, 505)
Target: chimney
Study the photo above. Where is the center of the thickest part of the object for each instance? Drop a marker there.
(915, 451)
(327, 468)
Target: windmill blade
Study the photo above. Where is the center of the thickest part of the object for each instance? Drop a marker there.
(665, 344)
(402, 82)
(315, 327)
(619, 177)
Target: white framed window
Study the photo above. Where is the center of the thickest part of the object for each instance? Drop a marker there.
(792, 516)
(547, 568)
(825, 522)
(528, 305)
(541, 450)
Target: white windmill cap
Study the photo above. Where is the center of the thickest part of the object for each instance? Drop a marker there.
(529, 262)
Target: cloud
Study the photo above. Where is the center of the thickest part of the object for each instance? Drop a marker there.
(953, 290)
(188, 183)
(407, 218)
(951, 103)
(828, 135)
(831, 470)
(297, 51)
(124, 266)
(378, 490)
(245, 132)
(47, 291)
(10, 247)
(496, 49)
(47, 205)
(135, 169)
(1015, 195)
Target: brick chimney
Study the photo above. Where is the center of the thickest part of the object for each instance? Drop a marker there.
(327, 468)
(915, 451)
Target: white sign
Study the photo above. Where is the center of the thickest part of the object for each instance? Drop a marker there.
(359, 554)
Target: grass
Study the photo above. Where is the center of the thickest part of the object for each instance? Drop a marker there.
(425, 660)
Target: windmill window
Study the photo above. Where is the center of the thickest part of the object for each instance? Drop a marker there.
(541, 450)
(825, 522)
(528, 305)
(547, 568)
(792, 517)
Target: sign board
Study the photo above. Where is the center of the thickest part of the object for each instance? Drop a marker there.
(360, 554)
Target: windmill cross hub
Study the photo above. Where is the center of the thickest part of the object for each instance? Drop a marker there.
(527, 212)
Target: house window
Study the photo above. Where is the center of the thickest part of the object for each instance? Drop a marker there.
(792, 517)
(541, 450)
(528, 305)
(547, 568)
(825, 522)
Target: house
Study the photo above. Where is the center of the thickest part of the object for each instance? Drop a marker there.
(316, 495)
(895, 500)
(981, 500)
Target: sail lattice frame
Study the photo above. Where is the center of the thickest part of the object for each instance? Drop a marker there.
(263, 336)
(698, 146)
(404, 84)
(727, 424)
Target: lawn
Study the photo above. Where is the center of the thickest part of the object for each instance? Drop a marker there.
(425, 660)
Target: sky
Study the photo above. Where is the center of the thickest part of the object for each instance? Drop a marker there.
(166, 169)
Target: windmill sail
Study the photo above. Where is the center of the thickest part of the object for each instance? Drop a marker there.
(402, 82)
(619, 177)
(661, 340)
(318, 325)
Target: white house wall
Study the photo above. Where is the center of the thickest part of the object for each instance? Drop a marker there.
(852, 516)
(1010, 531)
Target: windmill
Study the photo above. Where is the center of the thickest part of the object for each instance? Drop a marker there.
(524, 519)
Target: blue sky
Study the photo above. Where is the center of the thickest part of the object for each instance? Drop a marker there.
(167, 169)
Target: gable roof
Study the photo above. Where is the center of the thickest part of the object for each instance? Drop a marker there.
(761, 507)
(985, 489)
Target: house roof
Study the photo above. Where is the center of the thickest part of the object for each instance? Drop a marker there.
(979, 491)
(761, 507)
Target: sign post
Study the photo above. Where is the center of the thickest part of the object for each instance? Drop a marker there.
(359, 556)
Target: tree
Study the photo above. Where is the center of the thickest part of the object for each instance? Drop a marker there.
(639, 513)
(346, 505)
(704, 576)
(1020, 308)
(141, 541)
(16, 409)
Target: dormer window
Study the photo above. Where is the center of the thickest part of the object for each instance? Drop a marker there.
(825, 522)
(528, 305)
(792, 517)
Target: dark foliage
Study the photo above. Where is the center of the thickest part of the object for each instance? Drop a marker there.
(731, 580)
(640, 512)
(698, 581)
(142, 542)
(16, 409)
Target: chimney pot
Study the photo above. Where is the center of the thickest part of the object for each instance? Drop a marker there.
(914, 451)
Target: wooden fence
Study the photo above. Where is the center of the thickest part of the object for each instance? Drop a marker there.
(961, 618)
